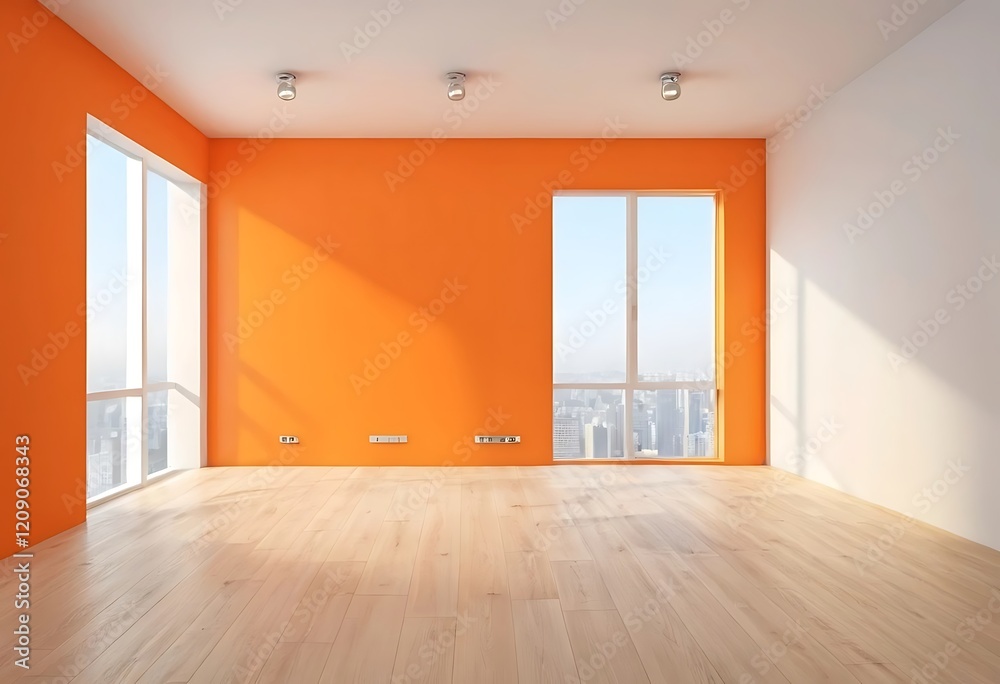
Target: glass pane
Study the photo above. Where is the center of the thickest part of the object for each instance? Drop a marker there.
(675, 278)
(174, 432)
(157, 413)
(156, 280)
(173, 284)
(114, 233)
(674, 423)
(588, 289)
(588, 423)
(113, 444)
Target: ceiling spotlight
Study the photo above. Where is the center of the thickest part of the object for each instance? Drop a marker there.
(456, 85)
(670, 86)
(286, 86)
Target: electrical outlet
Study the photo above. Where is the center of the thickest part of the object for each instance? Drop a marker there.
(387, 439)
(498, 439)
(288, 439)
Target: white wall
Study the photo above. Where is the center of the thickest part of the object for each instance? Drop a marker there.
(895, 426)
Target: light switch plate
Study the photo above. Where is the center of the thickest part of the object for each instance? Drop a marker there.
(498, 439)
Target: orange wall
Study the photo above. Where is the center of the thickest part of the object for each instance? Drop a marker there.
(52, 79)
(291, 321)
(488, 353)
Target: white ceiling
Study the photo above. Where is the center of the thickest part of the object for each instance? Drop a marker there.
(552, 79)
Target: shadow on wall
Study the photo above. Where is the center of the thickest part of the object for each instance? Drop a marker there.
(374, 310)
(882, 223)
(349, 299)
(303, 311)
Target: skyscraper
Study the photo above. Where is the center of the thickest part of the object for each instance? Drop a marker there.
(698, 444)
(619, 437)
(566, 434)
(595, 438)
(697, 409)
(671, 427)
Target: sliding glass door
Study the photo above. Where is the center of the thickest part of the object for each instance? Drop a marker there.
(634, 325)
(144, 316)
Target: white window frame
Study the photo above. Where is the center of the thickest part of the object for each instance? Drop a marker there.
(632, 381)
(156, 164)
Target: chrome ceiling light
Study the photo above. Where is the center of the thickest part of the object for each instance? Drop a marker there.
(286, 86)
(670, 86)
(456, 85)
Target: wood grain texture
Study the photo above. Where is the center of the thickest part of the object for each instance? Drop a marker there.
(505, 575)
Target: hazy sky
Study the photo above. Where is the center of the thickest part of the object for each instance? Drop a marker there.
(156, 277)
(676, 332)
(107, 238)
(106, 266)
(676, 280)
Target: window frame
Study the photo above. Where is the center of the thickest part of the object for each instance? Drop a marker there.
(633, 382)
(153, 163)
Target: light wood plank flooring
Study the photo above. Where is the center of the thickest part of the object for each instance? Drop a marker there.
(609, 574)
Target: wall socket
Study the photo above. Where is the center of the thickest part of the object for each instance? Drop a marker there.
(498, 439)
(288, 439)
(387, 439)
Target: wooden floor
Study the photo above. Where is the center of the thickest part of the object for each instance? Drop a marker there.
(562, 574)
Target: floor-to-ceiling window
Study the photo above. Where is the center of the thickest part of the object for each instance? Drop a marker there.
(144, 315)
(634, 325)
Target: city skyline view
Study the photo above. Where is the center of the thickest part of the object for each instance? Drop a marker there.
(671, 276)
(115, 309)
(674, 281)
